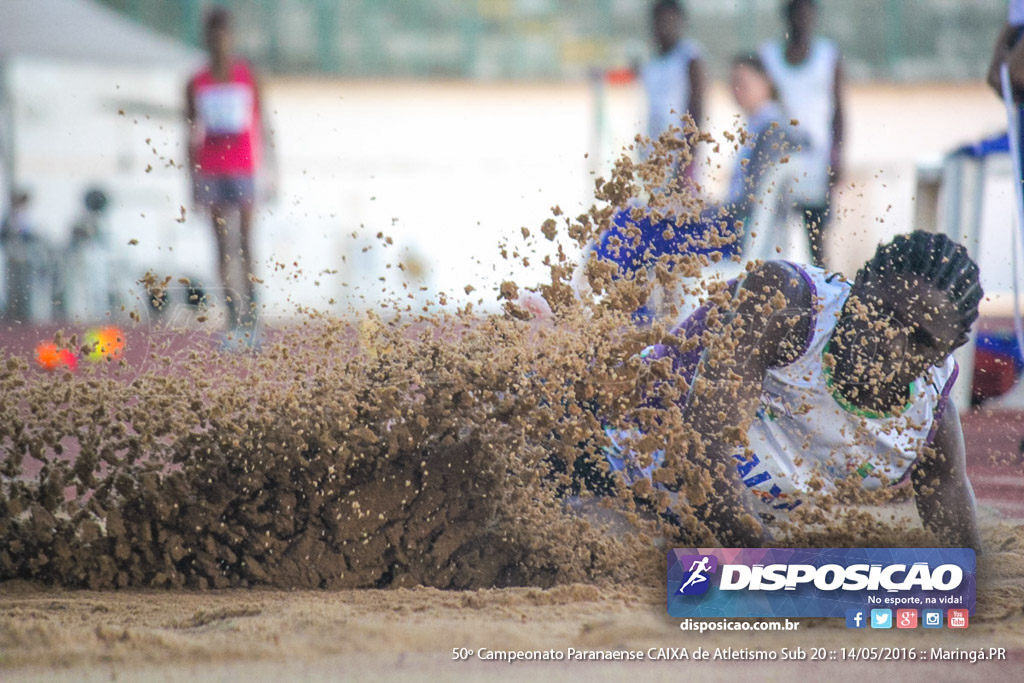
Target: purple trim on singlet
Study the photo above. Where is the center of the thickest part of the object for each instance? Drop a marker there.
(684, 363)
(940, 408)
(814, 307)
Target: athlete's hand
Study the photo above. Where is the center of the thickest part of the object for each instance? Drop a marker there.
(535, 304)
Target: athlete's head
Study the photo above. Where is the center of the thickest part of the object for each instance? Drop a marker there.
(910, 306)
(96, 200)
(751, 85)
(217, 30)
(668, 17)
(801, 16)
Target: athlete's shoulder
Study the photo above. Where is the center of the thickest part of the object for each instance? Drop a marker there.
(827, 47)
(780, 295)
(778, 277)
(200, 76)
(242, 71)
(691, 49)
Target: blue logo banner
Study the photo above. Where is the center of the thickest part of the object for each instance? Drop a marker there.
(817, 582)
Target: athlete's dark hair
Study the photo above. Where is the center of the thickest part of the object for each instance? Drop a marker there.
(932, 259)
(96, 199)
(218, 18)
(790, 5)
(669, 5)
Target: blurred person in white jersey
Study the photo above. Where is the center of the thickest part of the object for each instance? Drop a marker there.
(807, 70)
(675, 78)
(226, 151)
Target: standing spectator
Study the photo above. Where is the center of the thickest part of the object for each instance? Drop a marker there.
(28, 267)
(807, 70)
(723, 230)
(1009, 50)
(675, 78)
(85, 278)
(225, 152)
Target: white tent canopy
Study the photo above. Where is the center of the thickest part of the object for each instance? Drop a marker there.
(84, 30)
(75, 31)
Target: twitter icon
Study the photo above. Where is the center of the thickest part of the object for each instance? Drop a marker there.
(881, 618)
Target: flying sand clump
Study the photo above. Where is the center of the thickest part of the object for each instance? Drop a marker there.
(427, 451)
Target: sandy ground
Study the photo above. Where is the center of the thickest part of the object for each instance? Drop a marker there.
(410, 634)
(406, 634)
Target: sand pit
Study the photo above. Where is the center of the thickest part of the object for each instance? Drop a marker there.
(358, 505)
(406, 634)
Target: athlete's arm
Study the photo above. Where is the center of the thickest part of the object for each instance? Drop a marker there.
(269, 148)
(695, 107)
(768, 328)
(945, 499)
(190, 122)
(698, 84)
(1000, 53)
(838, 123)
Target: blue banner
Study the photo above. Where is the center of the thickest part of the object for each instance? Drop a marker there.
(817, 582)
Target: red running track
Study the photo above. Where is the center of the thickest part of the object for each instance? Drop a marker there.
(995, 463)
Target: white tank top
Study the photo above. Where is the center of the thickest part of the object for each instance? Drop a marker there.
(807, 91)
(806, 436)
(667, 84)
(1016, 13)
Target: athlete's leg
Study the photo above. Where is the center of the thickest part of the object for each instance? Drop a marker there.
(248, 303)
(815, 223)
(219, 220)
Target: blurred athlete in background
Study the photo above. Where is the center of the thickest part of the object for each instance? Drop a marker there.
(722, 231)
(226, 151)
(675, 78)
(807, 70)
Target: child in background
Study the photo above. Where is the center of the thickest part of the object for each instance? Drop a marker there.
(722, 231)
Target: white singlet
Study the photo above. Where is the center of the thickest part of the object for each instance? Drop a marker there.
(1016, 13)
(667, 84)
(225, 108)
(807, 91)
(806, 436)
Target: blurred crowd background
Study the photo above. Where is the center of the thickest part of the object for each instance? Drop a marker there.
(488, 40)
(443, 125)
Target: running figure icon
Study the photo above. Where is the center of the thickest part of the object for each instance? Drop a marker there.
(697, 573)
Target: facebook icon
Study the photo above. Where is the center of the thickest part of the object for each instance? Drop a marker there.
(856, 618)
